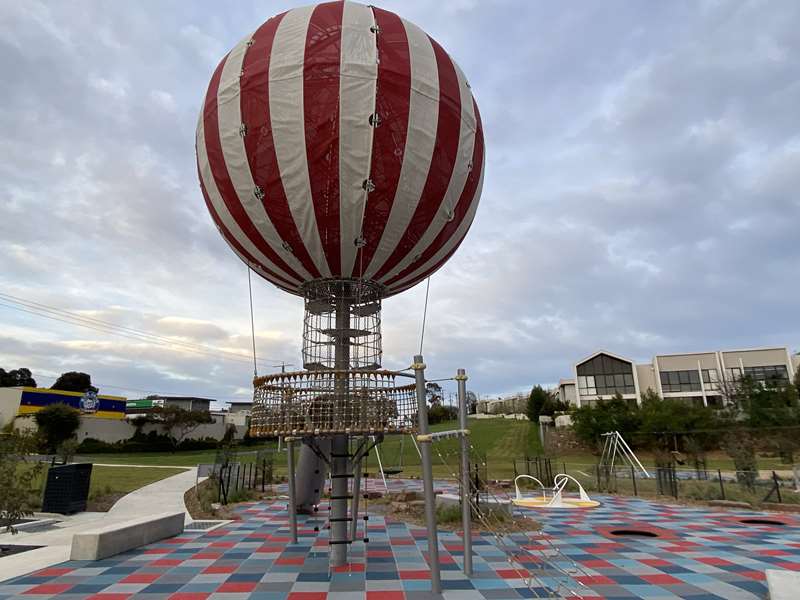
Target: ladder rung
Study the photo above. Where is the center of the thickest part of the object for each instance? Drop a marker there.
(339, 519)
(341, 476)
(347, 497)
(337, 542)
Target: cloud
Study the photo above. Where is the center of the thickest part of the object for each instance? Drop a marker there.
(640, 195)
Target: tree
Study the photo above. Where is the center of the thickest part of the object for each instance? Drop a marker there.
(590, 422)
(16, 378)
(433, 392)
(536, 401)
(18, 494)
(57, 423)
(797, 378)
(472, 402)
(74, 381)
(666, 424)
(177, 423)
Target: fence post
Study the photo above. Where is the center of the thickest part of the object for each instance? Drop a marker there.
(721, 485)
(633, 479)
(527, 465)
(597, 471)
(777, 487)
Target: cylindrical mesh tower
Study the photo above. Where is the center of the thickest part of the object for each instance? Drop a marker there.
(342, 395)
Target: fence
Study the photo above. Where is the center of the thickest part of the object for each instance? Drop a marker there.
(233, 477)
(690, 484)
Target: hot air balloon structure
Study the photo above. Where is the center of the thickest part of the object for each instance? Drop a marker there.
(341, 156)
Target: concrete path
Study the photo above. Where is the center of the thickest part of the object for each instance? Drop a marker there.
(165, 495)
(158, 497)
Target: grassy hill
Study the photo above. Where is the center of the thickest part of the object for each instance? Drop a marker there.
(497, 441)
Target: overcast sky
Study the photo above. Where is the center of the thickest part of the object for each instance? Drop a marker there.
(642, 191)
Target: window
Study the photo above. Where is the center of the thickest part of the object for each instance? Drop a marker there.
(680, 381)
(768, 373)
(605, 375)
(772, 374)
(710, 379)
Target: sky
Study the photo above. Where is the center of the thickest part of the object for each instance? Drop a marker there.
(642, 193)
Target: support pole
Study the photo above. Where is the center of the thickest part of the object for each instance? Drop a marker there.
(466, 516)
(356, 496)
(340, 449)
(427, 476)
(292, 500)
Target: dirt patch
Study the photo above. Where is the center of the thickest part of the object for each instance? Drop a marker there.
(104, 502)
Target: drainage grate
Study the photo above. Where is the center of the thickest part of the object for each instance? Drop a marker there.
(761, 522)
(201, 525)
(634, 533)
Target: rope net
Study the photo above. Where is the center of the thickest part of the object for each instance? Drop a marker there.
(357, 401)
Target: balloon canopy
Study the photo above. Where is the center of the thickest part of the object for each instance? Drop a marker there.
(340, 141)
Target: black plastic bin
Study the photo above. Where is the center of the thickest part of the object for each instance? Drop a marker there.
(67, 488)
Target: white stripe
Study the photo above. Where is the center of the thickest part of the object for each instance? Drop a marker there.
(222, 211)
(259, 270)
(358, 77)
(459, 233)
(229, 115)
(288, 132)
(458, 178)
(423, 116)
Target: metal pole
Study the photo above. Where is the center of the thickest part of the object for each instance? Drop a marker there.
(292, 501)
(340, 449)
(356, 495)
(427, 476)
(466, 516)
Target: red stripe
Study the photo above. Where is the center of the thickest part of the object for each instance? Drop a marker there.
(392, 102)
(462, 207)
(445, 153)
(260, 145)
(429, 272)
(216, 160)
(273, 278)
(321, 119)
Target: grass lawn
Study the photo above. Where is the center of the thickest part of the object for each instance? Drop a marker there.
(109, 483)
(126, 479)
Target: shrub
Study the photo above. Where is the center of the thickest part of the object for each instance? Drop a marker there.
(57, 423)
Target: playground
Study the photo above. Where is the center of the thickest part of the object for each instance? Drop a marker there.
(626, 548)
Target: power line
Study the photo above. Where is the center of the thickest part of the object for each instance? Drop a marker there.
(64, 316)
(41, 373)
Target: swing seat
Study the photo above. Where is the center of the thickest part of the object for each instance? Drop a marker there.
(392, 470)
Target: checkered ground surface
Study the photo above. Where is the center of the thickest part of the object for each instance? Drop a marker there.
(698, 554)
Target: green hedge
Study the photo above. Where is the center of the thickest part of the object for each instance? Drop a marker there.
(150, 442)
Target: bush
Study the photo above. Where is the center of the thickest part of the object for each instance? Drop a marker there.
(591, 422)
(57, 423)
(439, 414)
(149, 442)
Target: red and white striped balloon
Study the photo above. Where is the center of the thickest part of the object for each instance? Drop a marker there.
(340, 141)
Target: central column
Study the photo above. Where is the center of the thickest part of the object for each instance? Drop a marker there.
(340, 462)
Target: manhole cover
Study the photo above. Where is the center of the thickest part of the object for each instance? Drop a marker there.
(9, 549)
(760, 522)
(633, 533)
(201, 525)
